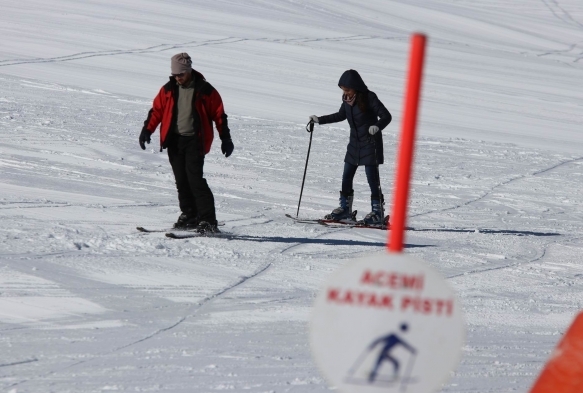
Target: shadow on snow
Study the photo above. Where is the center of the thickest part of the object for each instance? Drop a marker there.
(486, 231)
(303, 240)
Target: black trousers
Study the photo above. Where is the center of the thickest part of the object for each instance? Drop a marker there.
(372, 175)
(187, 161)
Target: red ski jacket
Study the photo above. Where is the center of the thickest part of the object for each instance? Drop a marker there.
(208, 107)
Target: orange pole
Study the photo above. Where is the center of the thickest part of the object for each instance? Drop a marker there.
(405, 159)
(563, 373)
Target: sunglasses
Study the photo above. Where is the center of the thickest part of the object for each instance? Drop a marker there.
(179, 75)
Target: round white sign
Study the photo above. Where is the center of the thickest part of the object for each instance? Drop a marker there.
(387, 323)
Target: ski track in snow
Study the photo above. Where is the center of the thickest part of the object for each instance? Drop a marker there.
(32, 163)
(279, 246)
(189, 314)
(561, 14)
(500, 185)
(28, 163)
(188, 45)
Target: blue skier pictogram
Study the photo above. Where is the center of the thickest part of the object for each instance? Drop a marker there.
(388, 342)
(369, 367)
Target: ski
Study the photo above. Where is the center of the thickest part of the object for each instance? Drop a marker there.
(357, 224)
(302, 220)
(148, 230)
(339, 223)
(174, 235)
(323, 220)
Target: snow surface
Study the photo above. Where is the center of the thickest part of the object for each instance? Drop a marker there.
(88, 304)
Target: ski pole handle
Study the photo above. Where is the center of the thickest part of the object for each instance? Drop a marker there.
(310, 126)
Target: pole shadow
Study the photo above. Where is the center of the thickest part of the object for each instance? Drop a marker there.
(303, 240)
(485, 231)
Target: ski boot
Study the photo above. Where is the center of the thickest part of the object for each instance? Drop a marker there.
(206, 228)
(344, 211)
(375, 217)
(186, 221)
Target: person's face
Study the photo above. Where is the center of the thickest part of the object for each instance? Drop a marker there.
(182, 78)
(349, 92)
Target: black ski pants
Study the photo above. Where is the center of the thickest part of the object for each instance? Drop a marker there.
(194, 195)
(372, 175)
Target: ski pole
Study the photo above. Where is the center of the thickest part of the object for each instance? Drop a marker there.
(310, 129)
(381, 197)
(405, 381)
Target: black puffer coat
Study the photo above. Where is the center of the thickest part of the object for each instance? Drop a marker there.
(361, 147)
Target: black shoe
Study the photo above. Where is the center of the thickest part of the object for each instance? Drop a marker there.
(204, 227)
(186, 221)
(373, 218)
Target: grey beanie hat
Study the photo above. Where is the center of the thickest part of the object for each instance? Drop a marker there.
(181, 63)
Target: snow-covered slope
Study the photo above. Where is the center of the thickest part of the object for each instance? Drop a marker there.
(495, 70)
(88, 304)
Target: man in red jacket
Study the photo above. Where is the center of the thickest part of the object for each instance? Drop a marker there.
(185, 108)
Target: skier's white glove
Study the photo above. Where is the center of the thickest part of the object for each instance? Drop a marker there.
(314, 118)
(373, 130)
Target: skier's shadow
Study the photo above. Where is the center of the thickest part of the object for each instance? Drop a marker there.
(304, 240)
(485, 231)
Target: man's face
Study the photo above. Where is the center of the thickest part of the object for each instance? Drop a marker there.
(182, 78)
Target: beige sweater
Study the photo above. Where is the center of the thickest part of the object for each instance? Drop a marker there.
(184, 119)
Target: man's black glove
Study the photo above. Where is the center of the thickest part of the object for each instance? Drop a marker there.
(144, 138)
(227, 147)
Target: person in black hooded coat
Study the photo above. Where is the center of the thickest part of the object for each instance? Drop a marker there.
(367, 117)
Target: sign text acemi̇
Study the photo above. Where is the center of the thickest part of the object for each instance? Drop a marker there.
(392, 300)
(393, 280)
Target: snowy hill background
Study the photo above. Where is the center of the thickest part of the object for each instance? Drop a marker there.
(87, 304)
